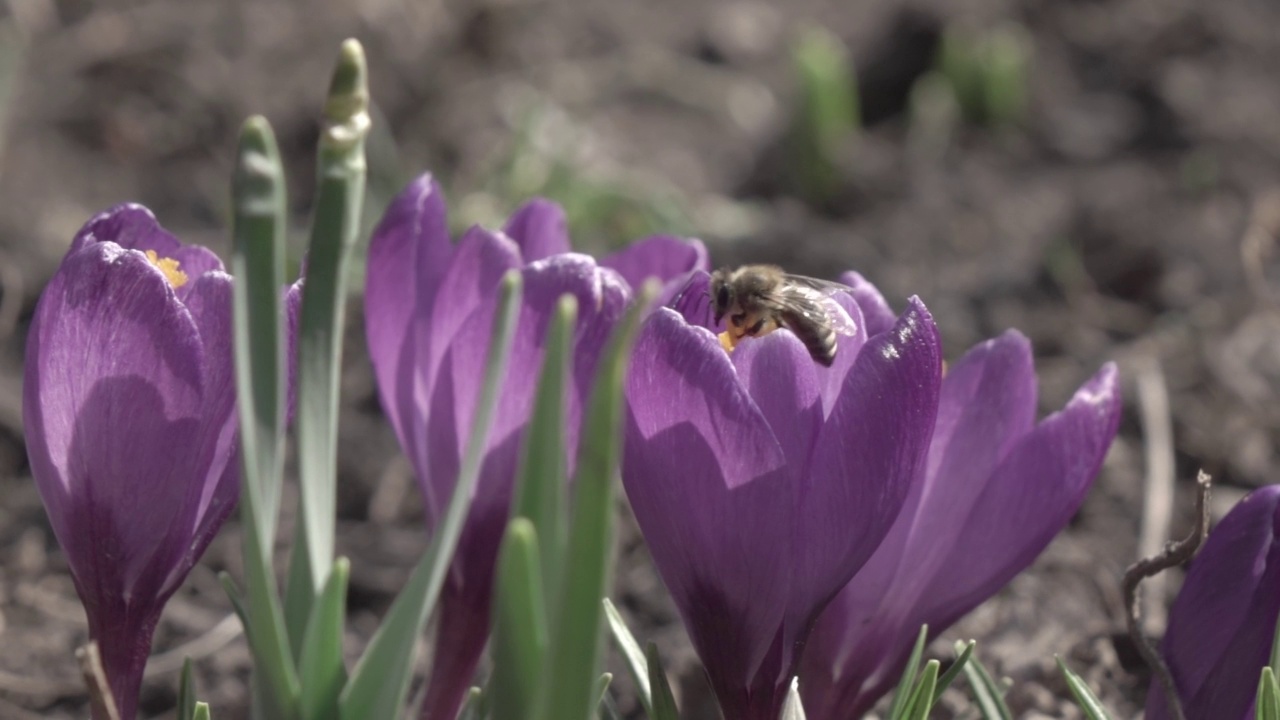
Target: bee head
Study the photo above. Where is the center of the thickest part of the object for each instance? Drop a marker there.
(721, 295)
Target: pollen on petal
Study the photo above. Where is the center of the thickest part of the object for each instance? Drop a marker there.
(169, 267)
(727, 341)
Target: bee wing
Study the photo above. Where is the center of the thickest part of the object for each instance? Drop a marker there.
(817, 306)
(825, 287)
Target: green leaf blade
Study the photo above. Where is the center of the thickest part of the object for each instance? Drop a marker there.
(1088, 702)
(258, 265)
(632, 655)
(576, 645)
(664, 702)
(519, 641)
(322, 671)
(902, 695)
(334, 231)
(542, 478)
(380, 679)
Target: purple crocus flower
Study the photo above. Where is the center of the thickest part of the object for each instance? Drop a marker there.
(130, 424)
(762, 481)
(997, 488)
(428, 310)
(1221, 626)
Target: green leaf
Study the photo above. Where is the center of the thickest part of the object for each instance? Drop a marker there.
(321, 668)
(576, 642)
(381, 677)
(601, 689)
(828, 109)
(1006, 64)
(201, 711)
(793, 707)
(1085, 698)
(921, 701)
(631, 654)
(257, 263)
(472, 705)
(235, 596)
(541, 483)
(901, 695)
(609, 709)
(335, 226)
(953, 672)
(519, 643)
(186, 691)
(986, 693)
(664, 702)
(1267, 706)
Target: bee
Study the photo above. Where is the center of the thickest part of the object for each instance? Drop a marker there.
(759, 299)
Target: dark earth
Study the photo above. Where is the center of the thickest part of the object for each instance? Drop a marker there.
(1130, 216)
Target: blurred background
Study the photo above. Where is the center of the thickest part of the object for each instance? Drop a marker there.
(1102, 174)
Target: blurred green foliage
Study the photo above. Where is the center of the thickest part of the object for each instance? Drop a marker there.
(989, 72)
(828, 117)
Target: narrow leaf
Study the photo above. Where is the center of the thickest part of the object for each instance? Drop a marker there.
(201, 711)
(921, 700)
(236, 598)
(321, 668)
(1085, 698)
(258, 265)
(519, 642)
(1267, 705)
(953, 672)
(335, 226)
(472, 705)
(602, 689)
(540, 488)
(664, 702)
(381, 677)
(631, 654)
(902, 694)
(186, 691)
(792, 707)
(986, 693)
(576, 644)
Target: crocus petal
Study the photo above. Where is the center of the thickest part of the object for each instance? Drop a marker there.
(408, 254)
(879, 317)
(602, 299)
(1063, 454)
(871, 450)
(113, 347)
(540, 229)
(1222, 624)
(693, 301)
(665, 257)
(134, 227)
(209, 303)
(987, 402)
(480, 261)
(780, 377)
(113, 396)
(831, 379)
(699, 461)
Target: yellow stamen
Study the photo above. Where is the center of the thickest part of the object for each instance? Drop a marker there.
(727, 341)
(168, 267)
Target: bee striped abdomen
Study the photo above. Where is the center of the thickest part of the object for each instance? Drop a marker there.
(819, 339)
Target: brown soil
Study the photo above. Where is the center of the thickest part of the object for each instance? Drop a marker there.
(1132, 218)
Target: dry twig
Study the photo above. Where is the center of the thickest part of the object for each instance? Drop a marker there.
(1157, 507)
(1175, 553)
(95, 678)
